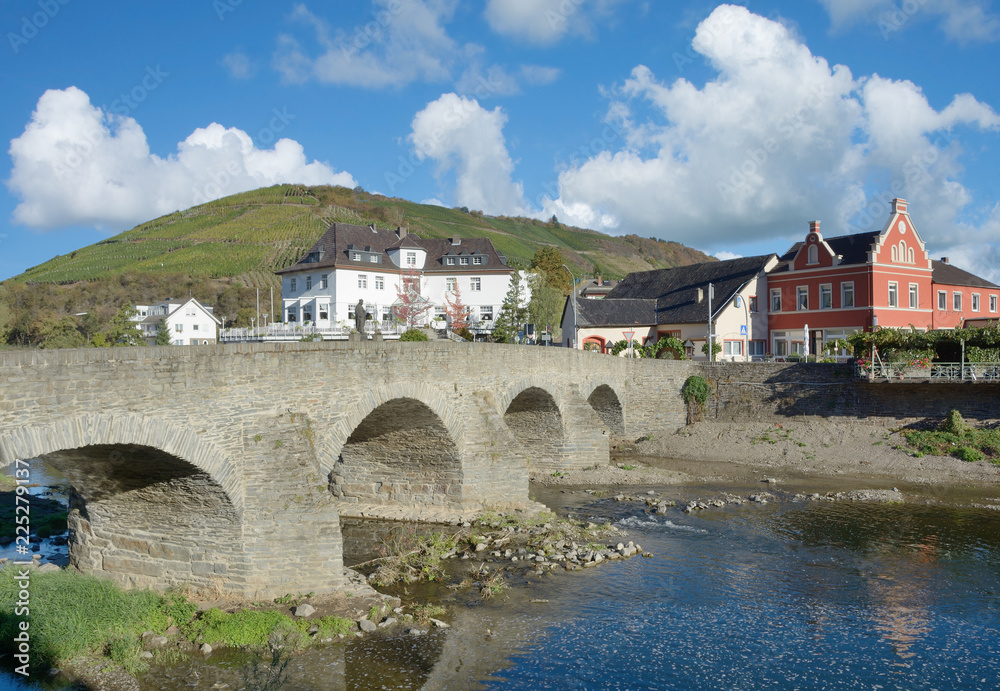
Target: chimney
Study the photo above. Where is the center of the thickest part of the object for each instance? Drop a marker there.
(898, 206)
(456, 240)
(701, 295)
(401, 232)
(599, 281)
(813, 226)
(944, 260)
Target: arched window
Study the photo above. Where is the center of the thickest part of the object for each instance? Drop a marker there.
(909, 255)
(895, 254)
(813, 254)
(902, 250)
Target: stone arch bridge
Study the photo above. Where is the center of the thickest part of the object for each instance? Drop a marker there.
(228, 467)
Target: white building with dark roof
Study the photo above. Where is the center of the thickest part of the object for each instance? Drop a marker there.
(351, 262)
(188, 321)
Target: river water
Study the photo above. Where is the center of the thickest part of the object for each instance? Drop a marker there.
(784, 595)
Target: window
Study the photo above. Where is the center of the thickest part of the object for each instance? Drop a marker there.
(355, 256)
(475, 284)
(813, 255)
(797, 348)
(956, 302)
(909, 256)
(775, 299)
(914, 299)
(380, 283)
(307, 316)
(324, 312)
(847, 294)
(975, 302)
(190, 312)
(386, 314)
(753, 303)
(373, 258)
(732, 348)
(440, 314)
(486, 312)
(179, 328)
(362, 281)
(803, 297)
(757, 348)
(780, 343)
(477, 260)
(464, 261)
(942, 300)
(309, 282)
(291, 315)
(826, 297)
(291, 285)
(449, 284)
(411, 285)
(194, 327)
(323, 282)
(993, 303)
(902, 251)
(411, 258)
(893, 294)
(450, 261)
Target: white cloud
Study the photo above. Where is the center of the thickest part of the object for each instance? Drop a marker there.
(539, 75)
(776, 139)
(544, 22)
(433, 201)
(238, 65)
(75, 164)
(404, 41)
(724, 255)
(963, 21)
(460, 134)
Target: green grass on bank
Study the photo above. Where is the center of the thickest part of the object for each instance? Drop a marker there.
(75, 616)
(955, 437)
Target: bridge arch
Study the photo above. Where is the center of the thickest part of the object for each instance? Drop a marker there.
(151, 505)
(402, 445)
(604, 398)
(533, 412)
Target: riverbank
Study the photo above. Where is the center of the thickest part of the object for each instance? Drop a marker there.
(718, 452)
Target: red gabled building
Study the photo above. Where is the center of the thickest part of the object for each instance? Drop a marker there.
(827, 288)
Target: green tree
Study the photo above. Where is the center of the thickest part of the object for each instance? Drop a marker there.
(63, 333)
(549, 262)
(122, 331)
(546, 305)
(163, 337)
(513, 311)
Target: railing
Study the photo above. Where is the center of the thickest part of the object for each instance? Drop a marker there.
(937, 371)
(290, 332)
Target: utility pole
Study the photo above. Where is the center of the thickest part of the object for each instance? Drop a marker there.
(272, 302)
(710, 358)
(572, 294)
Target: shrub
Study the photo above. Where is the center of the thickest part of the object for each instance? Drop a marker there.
(967, 453)
(954, 423)
(695, 390)
(413, 335)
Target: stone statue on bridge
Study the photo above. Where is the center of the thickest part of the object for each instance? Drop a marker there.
(360, 316)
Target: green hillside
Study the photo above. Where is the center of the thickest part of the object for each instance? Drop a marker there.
(250, 235)
(222, 252)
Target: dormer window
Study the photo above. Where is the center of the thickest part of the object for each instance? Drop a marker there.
(813, 255)
(373, 258)
(355, 256)
(464, 261)
(477, 260)
(450, 261)
(411, 258)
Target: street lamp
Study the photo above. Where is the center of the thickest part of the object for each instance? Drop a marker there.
(572, 297)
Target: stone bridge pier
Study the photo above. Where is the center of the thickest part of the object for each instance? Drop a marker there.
(227, 467)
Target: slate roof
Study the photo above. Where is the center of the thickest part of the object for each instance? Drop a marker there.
(675, 291)
(947, 274)
(853, 249)
(333, 250)
(622, 312)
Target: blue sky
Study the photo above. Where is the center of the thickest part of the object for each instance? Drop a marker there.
(724, 127)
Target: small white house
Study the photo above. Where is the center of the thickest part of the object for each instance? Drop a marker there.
(188, 321)
(351, 263)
